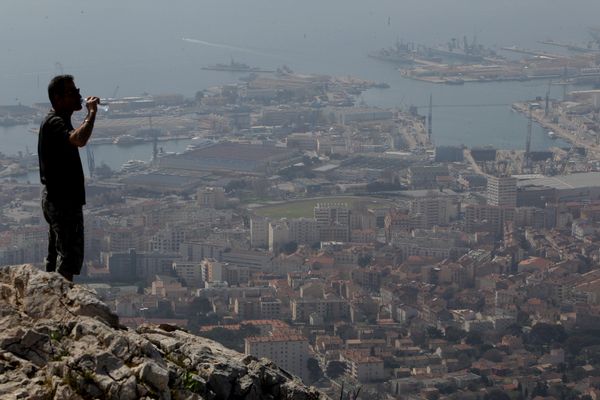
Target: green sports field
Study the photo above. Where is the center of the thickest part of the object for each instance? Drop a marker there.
(304, 208)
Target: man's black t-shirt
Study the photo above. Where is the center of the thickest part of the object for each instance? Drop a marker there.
(60, 164)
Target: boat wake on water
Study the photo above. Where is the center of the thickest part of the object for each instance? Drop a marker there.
(226, 46)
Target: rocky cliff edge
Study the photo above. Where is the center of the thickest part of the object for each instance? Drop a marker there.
(59, 341)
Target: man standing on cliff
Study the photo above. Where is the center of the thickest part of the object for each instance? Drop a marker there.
(61, 174)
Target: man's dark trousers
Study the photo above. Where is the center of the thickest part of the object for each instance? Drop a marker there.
(65, 237)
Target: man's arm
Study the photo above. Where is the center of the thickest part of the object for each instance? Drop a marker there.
(80, 136)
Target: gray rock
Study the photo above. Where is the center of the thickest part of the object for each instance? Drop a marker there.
(58, 339)
(155, 375)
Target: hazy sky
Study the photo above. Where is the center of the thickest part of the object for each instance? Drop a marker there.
(138, 44)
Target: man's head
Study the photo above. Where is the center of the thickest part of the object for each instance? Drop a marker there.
(63, 94)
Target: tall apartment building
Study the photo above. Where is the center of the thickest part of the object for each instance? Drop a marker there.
(167, 240)
(435, 210)
(400, 221)
(329, 309)
(150, 264)
(364, 219)
(259, 232)
(216, 271)
(279, 234)
(303, 230)
(189, 272)
(287, 350)
(333, 221)
(121, 239)
(210, 197)
(332, 213)
(247, 308)
(192, 250)
(502, 191)
(487, 218)
(270, 308)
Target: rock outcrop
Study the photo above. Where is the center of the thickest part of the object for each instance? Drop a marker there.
(59, 341)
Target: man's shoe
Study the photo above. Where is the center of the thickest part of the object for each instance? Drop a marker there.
(67, 275)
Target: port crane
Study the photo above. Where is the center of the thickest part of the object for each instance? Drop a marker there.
(430, 117)
(527, 155)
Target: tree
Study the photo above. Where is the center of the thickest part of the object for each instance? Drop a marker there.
(434, 333)
(449, 293)
(492, 355)
(335, 369)
(200, 305)
(364, 260)
(514, 330)
(260, 187)
(540, 389)
(314, 369)
(473, 338)
(236, 185)
(233, 339)
(454, 335)
(545, 334)
(446, 388)
(522, 318)
(289, 247)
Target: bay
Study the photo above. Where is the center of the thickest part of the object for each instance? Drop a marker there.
(137, 47)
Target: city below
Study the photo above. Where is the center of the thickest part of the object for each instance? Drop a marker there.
(336, 239)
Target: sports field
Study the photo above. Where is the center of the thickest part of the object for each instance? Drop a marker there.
(304, 208)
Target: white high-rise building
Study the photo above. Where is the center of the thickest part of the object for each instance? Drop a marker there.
(332, 214)
(279, 234)
(502, 191)
(333, 221)
(435, 210)
(259, 232)
(303, 230)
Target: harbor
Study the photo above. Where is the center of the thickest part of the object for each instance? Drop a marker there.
(458, 62)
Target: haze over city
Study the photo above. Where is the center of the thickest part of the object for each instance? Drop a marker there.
(390, 199)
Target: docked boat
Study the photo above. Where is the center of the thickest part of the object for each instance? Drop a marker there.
(552, 135)
(133, 166)
(199, 143)
(400, 53)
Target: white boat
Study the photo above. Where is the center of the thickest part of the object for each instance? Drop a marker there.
(552, 135)
(127, 139)
(133, 165)
(199, 143)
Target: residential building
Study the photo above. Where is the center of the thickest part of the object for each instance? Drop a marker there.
(288, 350)
(210, 197)
(303, 231)
(189, 272)
(279, 235)
(259, 232)
(363, 368)
(502, 191)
